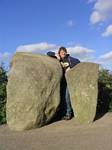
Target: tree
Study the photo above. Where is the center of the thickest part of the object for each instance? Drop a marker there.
(3, 83)
(105, 91)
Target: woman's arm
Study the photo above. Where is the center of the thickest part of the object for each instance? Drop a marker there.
(53, 54)
(73, 61)
(50, 53)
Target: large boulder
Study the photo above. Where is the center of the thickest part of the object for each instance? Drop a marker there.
(82, 81)
(33, 90)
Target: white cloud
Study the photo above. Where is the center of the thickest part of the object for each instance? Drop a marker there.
(44, 47)
(106, 57)
(96, 17)
(80, 50)
(39, 47)
(70, 23)
(5, 57)
(108, 31)
(105, 61)
(87, 55)
(102, 11)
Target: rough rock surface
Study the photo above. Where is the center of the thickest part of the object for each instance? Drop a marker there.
(33, 90)
(82, 82)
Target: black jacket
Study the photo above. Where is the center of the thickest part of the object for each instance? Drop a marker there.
(71, 60)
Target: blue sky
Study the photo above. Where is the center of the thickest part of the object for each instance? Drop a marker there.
(83, 26)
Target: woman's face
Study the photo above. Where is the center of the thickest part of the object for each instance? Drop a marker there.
(62, 54)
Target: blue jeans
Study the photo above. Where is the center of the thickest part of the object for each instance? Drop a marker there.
(68, 111)
(66, 108)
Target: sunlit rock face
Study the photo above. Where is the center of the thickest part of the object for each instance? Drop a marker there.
(82, 82)
(33, 90)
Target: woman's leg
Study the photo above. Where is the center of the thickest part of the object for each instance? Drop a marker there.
(68, 103)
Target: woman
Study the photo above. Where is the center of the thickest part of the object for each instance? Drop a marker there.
(67, 62)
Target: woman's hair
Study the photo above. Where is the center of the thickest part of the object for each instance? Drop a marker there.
(62, 48)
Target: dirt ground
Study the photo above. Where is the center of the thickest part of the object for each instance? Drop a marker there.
(61, 135)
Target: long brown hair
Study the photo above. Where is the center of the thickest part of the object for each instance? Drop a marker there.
(62, 48)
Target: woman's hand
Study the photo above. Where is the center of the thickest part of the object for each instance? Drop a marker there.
(67, 69)
(57, 56)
